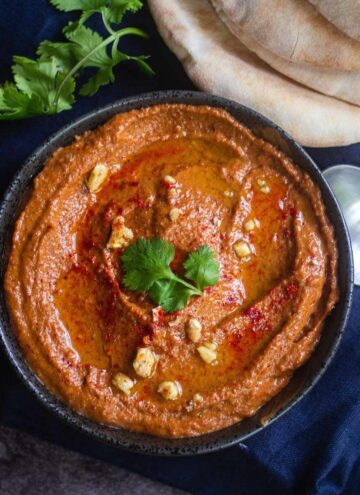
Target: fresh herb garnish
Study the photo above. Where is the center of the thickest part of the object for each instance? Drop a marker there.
(147, 269)
(47, 85)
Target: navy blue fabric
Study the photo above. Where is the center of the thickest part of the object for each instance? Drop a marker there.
(313, 449)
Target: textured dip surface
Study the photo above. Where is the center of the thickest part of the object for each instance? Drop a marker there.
(192, 176)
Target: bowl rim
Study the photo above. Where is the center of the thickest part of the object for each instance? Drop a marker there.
(132, 441)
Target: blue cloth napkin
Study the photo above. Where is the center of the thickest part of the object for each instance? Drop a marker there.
(314, 448)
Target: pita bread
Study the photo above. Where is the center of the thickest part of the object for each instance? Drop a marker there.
(344, 14)
(218, 63)
(343, 85)
(293, 30)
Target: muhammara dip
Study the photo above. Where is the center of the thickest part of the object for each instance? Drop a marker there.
(193, 176)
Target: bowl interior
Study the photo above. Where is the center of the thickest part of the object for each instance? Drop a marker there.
(303, 379)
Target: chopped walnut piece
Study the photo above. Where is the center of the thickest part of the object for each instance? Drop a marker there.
(97, 177)
(241, 249)
(211, 345)
(174, 214)
(206, 354)
(120, 234)
(265, 189)
(168, 179)
(193, 330)
(263, 185)
(123, 383)
(216, 222)
(145, 362)
(170, 390)
(261, 182)
(251, 225)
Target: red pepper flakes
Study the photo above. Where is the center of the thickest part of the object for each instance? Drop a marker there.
(158, 317)
(288, 233)
(108, 337)
(90, 214)
(146, 390)
(289, 211)
(140, 330)
(254, 314)
(291, 290)
(88, 244)
(111, 211)
(81, 269)
(139, 202)
(231, 299)
(166, 185)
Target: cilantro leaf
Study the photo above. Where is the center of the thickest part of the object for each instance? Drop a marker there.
(202, 267)
(116, 9)
(70, 5)
(86, 43)
(145, 262)
(17, 105)
(47, 85)
(42, 79)
(62, 53)
(147, 269)
(170, 295)
(113, 10)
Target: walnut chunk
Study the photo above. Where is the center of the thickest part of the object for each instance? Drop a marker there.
(193, 330)
(174, 214)
(120, 234)
(123, 383)
(97, 177)
(170, 390)
(251, 225)
(211, 345)
(145, 362)
(264, 188)
(206, 354)
(261, 182)
(168, 179)
(242, 249)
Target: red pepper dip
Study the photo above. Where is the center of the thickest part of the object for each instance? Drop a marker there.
(192, 176)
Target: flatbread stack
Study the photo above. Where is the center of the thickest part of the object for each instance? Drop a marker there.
(295, 61)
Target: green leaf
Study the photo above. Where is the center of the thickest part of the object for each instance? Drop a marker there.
(101, 78)
(116, 9)
(170, 295)
(202, 267)
(40, 80)
(62, 53)
(70, 5)
(46, 86)
(17, 105)
(113, 10)
(85, 46)
(146, 266)
(145, 262)
(85, 41)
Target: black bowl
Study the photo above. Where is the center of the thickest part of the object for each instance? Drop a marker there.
(302, 381)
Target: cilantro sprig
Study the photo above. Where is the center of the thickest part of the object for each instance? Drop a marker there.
(47, 85)
(147, 269)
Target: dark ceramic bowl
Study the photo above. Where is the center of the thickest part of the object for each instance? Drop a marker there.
(302, 381)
